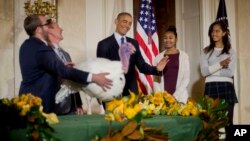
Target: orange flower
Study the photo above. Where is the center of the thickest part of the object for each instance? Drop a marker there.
(21, 103)
(36, 101)
(168, 97)
(158, 99)
(137, 107)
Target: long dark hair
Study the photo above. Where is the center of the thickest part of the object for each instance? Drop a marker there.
(225, 38)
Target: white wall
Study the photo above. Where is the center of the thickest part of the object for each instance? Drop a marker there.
(243, 46)
(188, 29)
(6, 49)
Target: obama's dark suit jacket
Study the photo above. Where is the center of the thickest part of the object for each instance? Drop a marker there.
(108, 48)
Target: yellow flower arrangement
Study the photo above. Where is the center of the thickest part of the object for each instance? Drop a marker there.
(122, 109)
(26, 111)
(130, 110)
(163, 103)
(211, 111)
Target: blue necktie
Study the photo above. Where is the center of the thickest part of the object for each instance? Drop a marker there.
(122, 40)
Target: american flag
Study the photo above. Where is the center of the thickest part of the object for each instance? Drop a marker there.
(147, 37)
(222, 12)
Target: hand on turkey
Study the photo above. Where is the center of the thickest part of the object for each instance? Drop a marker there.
(101, 80)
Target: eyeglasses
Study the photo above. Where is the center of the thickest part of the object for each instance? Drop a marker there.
(44, 24)
(47, 23)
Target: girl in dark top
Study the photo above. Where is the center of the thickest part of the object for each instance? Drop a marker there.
(176, 74)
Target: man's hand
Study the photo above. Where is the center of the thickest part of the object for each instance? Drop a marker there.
(163, 62)
(69, 64)
(101, 80)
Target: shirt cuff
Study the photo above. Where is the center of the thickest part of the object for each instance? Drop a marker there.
(159, 73)
(89, 79)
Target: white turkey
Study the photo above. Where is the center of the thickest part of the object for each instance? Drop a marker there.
(116, 70)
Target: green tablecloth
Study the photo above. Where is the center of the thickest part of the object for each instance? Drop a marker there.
(84, 128)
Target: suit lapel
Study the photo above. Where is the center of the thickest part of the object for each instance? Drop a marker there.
(115, 48)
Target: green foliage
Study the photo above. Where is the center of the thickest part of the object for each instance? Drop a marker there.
(24, 113)
(213, 116)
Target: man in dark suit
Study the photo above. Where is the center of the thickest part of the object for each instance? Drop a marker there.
(73, 103)
(40, 68)
(108, 48)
